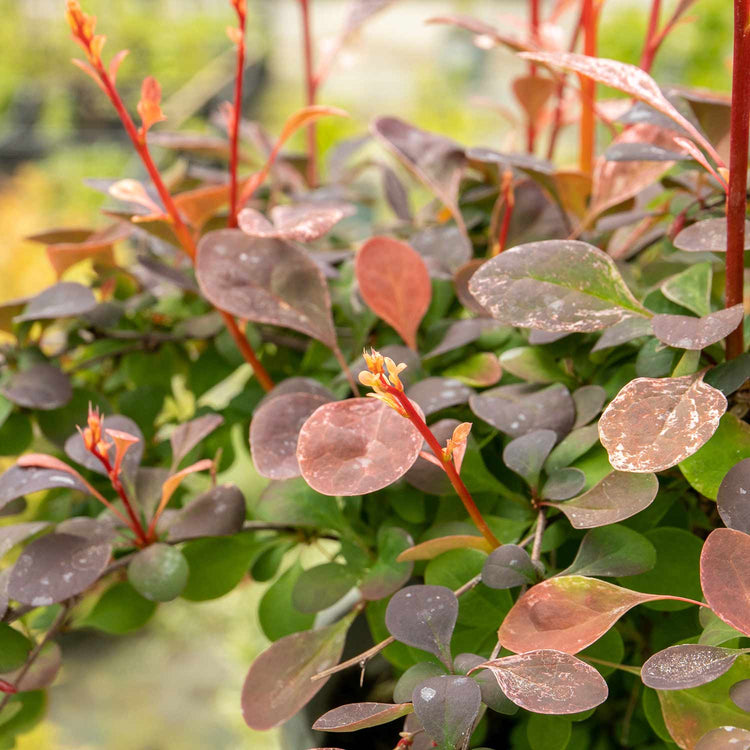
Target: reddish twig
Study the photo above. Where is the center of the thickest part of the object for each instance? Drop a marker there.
(234, 125)
(311, 87)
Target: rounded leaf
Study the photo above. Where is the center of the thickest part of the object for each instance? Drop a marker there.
(686, 666)
(354, 716)
(509, 566)
(733, 498)
(159, 572)
(40, 387)
(218, 512)
(356, 446)
(447, 706)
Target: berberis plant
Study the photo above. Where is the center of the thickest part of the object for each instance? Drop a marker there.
(539, 503)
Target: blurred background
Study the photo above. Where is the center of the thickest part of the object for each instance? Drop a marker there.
(176, 684)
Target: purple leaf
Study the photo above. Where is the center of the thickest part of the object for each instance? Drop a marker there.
(654, 423)
(186, 436)
(274, 431)
(687, 332)
(299, 384)
(10, 536)
(554, 285)
(447, 706)
(526, 454)
(303, 222)
(708, 236)
(100, 530)
(266, 281)
(725, 738)
(733, 498)
(460, 333)
(19, 481)
(424, 617)
(549, 682)
(618, 496)
(509, 566)
(66, 299)
(425, 475)
(56, 567)
(563, 484)
(589, 400)
(40, 387)
(435, 394)
(218, 512)
(279, 682)
(436, 161)
(354, 716)
(396, 194)
(519, 409)
(740, 694)
(687, 666)
(356, 446)
(444, 250)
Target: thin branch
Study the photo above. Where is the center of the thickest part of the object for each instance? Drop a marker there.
(541, 523)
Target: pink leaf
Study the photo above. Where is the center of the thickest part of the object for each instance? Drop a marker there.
(395, 283)
(356, 446)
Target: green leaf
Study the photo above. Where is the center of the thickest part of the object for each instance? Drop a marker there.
(652, 710)
(534, 364)
(120, 609)
(555, 285)
(217, 565)
(547, 732)
(322, 586)
(276, 614)
(294, 502)
(729, 376)
(386, 576)
(613, 551)
(708, 466)
(16, 434)
(478, 370)
(676, 571)
(689, 714)
(14, 648)
(610, 647)
(33, 707)
(572, 447)
(691, 288)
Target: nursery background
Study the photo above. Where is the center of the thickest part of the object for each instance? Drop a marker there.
(175, 683)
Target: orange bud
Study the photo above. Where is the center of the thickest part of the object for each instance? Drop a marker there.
(235, 35)
(148, 106)
(123, 441)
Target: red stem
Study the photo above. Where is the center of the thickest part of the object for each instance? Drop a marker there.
(234, 127)
(135, 522)
(652, 37)
(311, 85)
(736, 197)
(534, 34)
(510, 203)
(446, 463)
(183, 233)
(588, 89)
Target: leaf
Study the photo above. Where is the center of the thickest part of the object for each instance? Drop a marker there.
(447, 706)
(725, 738)
(42, 386)
(686, 332)
(554, 285)
(354, 716)
(654, 423)
(534, 365)
(19, 481)
(431, 548)
(479, 370)
(394, 282)
(732, 499)
(413, 677)
(519, 409)
(425, 475)
(159, 572)
(218, 512)
(10, 536)
(566, 613)
(120, 609)
(627, 329)
(56, 567)
(278, 683)
(444, 249)
(690, 288)
(186, 436)
(486, 35)
(356, 446)
(460, 333)
(14, 648)
(563, 484)
(41, 673)
(424, 617)
(396, 194)
(492, 694)
(436, 161)
(301, 222)
(612, 551)
(266, 281)
(614, 182)
(709, 235)
(461, 279)
(276, 614)
(321, 586)
(533, 92)
(686, 666)
(297, 384)
(724, 561)
(390, 572)
(526, 454)
(572, 447)
(618, 496)
(589, 400)
(622, 76)
(729, 376)
(729, 445)
(548, 732)
(509, 566)
(274, 431)
(66, 299)
(690, 714)
(216, 566)
(436, 393)
(294, 502)
(548, 681)
(740, 694)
